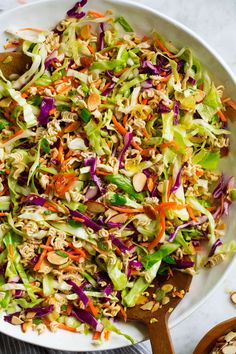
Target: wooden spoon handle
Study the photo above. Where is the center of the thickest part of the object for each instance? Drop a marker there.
(160, 337)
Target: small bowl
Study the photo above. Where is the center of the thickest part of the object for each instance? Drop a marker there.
(207, 343)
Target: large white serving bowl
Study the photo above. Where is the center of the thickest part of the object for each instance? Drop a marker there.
(46, 14)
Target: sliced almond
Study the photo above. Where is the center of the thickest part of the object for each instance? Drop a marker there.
(119, 218)
(95, 207)
(156, 307)
(30, 315)
(199, 96)
(148, 306)
(230, 336)
(233, 298)
(150, 211)
(16, 320)
(139, 181)
(94, 101)
(167, 288)
(231, 349)
(142, 300)
(25, 326)
(56, 259)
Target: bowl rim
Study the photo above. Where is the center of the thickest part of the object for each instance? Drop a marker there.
(210, 338)
(231, 75)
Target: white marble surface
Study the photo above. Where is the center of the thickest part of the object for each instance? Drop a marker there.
(214, 21)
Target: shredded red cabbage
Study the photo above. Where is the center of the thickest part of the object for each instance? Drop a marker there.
(119, 244)
(216, 244)
(79, 291)
(75, 11)
(108, 90)
(40, 311)
(109, 74)
(192, 81)
(149, 67)
(177, 183)
(199, 221)
(101, 41)
(86, 317)
(114, 224)
(50, 59)
(47, 105)
(35, 199)
(183, 264)
(127, 141)
(218, 191)
(147, 84)
(92, 162)
(88, 222)
(161, 108)
(176, 112)
(18, 293)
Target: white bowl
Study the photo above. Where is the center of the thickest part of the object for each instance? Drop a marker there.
(46, 14)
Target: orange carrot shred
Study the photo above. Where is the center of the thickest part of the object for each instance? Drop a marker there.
(127, 210)
(93, 308)
(155, 242)
(123, 312)
(95, 13)
(96, 335)
(11, 251)
(42, 256)
(222, 116)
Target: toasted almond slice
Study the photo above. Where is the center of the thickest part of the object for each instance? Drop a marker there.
(150, 211)
(199, 96)
(231, 349)
(95, 207)
(139, 181)
(233, 297)
(56, 259)
(148, 306)
(94, 101)
(119, 218)
(16, 320)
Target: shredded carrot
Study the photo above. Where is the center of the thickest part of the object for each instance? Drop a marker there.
(50, 207)
(119, 73)
(145, 133)
(3, 192)
(96, 335)
(52, 111)
(155, 242)
(150, 184)
(72, 256)
(78, 250)
(69, 309)
(169, 144)
(123, 312)
(159, 86)
(63, 182)
(102, 173)
(230, 102)
(123, 131)
(169, 187)
(92, 51)
(125, 119)
(145, 101)
(18, 132)
(71, 269)
(48, 248)
(3, 214)
(66, 328)
(211, 209)
(201, 87)
(42, 256)
(222, 116)
(146, 152)
(106, 334)
(191, 213)
(11, 45)
(127, 210)
(77, 219)
(31, 29)
(165, 79)
(63, 87)
(93, 308)
(11, 251)
(95, 13)
(162, 46)
(8, 171)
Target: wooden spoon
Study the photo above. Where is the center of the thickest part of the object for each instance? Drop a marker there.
(158, 330)
(14, 63)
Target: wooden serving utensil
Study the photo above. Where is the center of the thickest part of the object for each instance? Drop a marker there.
(14, 63)
(157, 321)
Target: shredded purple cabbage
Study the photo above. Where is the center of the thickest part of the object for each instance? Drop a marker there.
(161, 108)
(47, 105)
(176, 112)
(86, 317)
(101, 41)
(75, 11)
(219, 190)
(109, 89)
(199, 221)
(183, 264)
(216, 244)
(88, 222)
(92, 162)
(147, 84)
(119, 244)
(114, 224)
(50, 59)
(177, 183)
(127, 141)
(40, 311)
(79, 291)
(19, 294)
(149, 67)
(109, 74)
(192, 81)
(35, 199)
